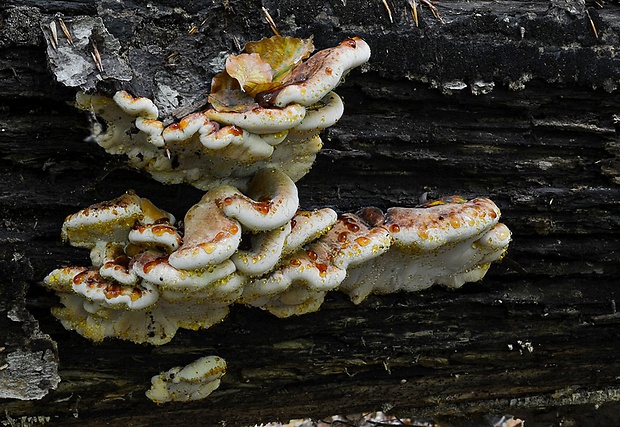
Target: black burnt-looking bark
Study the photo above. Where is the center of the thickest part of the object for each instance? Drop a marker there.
(516, 101)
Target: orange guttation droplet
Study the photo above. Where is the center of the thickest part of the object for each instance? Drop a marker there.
(233, 229)
(353, 227)
(228, 200)
(342, 237)
(295, 262)
(350, 42)
(423, 234)
(293, 223)
(394, 228)
(236, 130)
(207, 247)
(263, 207)
(152, 264)
(493, 214)
(220, 235)
(454, 221)
(135, 294)
(322, 269)
(174, 126)
(159, 230)
(328, 71)
(312, 255)
(362, 241)
(79, 279)
(112, 291)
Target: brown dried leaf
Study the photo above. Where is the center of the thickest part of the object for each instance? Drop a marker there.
(223, 81)
(232, 100)
(281, 53)
(249, 70)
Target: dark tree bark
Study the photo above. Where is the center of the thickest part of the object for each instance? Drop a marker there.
(516, 101)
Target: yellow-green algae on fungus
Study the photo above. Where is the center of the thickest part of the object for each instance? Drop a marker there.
(144, 290)
(194, 381)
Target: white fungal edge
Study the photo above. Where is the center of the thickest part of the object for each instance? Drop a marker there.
(341, 60)
(327, 114)
(262, 120)
(194, 381)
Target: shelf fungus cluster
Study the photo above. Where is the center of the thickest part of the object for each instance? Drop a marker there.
(149, 277)
(247, 241)
(267, 110)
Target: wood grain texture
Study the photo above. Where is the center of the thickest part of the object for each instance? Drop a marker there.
(537, 338)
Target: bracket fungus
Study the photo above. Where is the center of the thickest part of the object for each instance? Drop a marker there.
(145, 284)
(247, 241)
(267, 109)
(194, 381)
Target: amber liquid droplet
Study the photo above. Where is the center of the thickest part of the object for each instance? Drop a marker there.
(312, 255)
(322, 269)
(159, 230)
(362, 241)
(295, 262)
(219, 236)
(353, 227)
(236, 131)
(342, 237)
(233, 229)
(207, 247)
(328, 71)
(394, 228)
(79, 279)
(293, 223)
(350, 42)
(262, 207)
(228, 200)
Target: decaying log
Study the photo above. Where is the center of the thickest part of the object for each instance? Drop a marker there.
(516, 101)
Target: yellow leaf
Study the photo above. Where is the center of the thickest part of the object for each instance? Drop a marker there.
(249, 70)
(281, 53)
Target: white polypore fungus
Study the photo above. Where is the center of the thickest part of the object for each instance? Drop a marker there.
(110, 221)
(153, 266)
(107, 293)
(265, 253)
(142, 107)
(147, 281)
(319, 116)
(160, 234)
(261, 120)
(309, 82)
(439, 243)
(113, 263)
(271, 202)
(231, 142)
(210, 236)
(307, 226)
(194, 381)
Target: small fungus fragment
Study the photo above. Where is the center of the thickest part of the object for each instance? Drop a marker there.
(194, 381)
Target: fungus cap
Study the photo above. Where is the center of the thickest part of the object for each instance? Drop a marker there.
(320, 74)
(194, 381)
(110, 221)
(262, 120)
